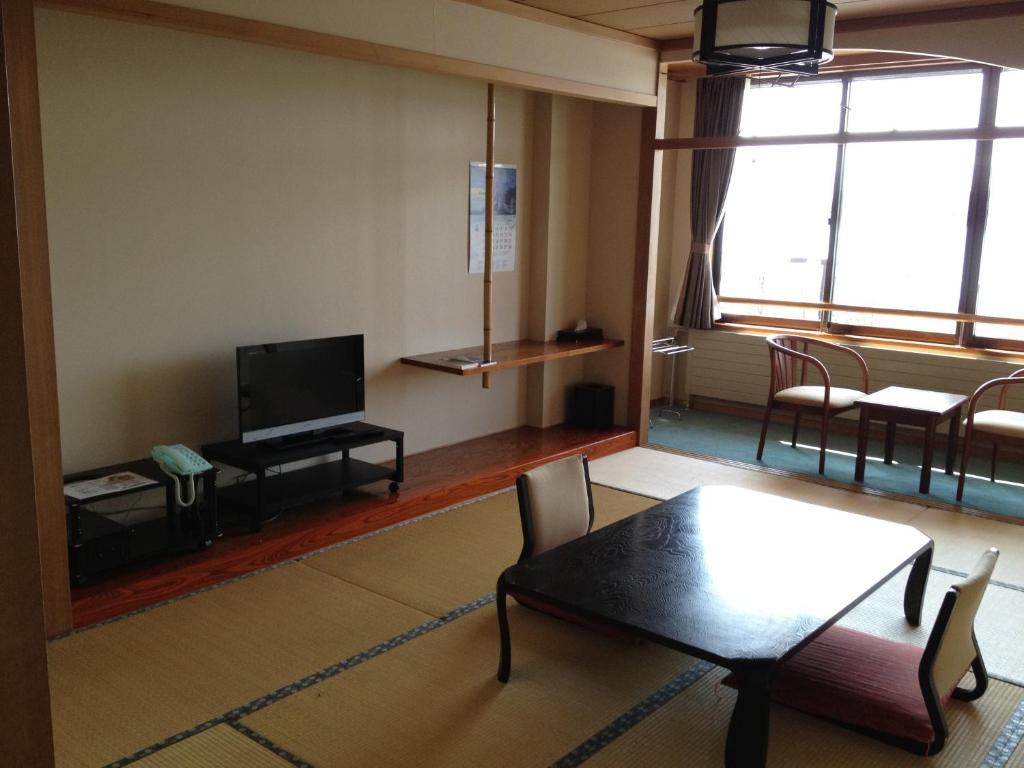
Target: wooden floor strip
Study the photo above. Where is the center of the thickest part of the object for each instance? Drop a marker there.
(434, 480)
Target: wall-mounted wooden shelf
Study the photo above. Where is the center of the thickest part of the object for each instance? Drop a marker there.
(507, 354)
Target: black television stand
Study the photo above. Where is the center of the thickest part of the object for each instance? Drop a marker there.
(269, 494)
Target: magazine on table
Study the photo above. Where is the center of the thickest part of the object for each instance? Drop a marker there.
(101, 486)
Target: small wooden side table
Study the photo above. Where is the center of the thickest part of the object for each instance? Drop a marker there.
(915, 407)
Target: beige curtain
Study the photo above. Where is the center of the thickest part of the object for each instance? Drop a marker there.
(719, 105)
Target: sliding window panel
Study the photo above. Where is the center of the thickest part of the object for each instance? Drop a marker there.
(903, 231)
(807, 107)
(918, 102)
(1010, 106)
(776, 229)
(1001, 281)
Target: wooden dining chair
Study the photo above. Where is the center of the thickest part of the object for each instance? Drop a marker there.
(789, 390)
(893, 691)
(998, 424)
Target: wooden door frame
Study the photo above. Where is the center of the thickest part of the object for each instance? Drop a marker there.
(645, 270)
(33, 555)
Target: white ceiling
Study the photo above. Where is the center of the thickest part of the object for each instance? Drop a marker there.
(660, 20)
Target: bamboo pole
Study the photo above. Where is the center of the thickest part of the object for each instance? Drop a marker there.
(488, 235)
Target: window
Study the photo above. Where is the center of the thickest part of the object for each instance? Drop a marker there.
(780, 247)
(887, 225)
(1002, 257)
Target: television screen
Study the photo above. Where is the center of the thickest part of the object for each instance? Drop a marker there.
(299, 386)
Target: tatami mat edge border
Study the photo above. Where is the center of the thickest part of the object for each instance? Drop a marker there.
(645, 708)
(267, 744)
(993, 582)
(326, 673)
(1007, 742)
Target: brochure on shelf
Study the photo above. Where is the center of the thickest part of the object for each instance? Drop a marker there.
(101, 486)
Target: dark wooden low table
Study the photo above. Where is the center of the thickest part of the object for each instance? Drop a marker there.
(916, 407)
(740, 578)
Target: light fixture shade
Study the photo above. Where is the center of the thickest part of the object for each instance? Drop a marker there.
(785, 35)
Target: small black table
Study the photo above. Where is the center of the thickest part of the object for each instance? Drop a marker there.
(740, 578)
(96, 542)
(267, 495)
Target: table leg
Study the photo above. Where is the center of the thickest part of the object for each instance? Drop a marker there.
(953, 440)
(208, 530)
(171, 502)
(256, 523)
(862, 444)
(913, 596)
(747, 743)
(505, 659)
(890, 440)
(929, 452)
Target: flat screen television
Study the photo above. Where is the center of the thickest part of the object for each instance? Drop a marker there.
(299, 387)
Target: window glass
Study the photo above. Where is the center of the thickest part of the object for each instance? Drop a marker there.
(1010, 108)
(918, 102)
(903, 231)
(777, 243)
(1001, 281)
(790, 110)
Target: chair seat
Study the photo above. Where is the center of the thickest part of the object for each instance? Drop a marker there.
(858, 680)
(1005, 423)
(815, 396)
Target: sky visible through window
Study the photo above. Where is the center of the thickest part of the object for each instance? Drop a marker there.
(903, 224)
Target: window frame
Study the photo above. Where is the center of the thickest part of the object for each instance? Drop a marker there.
(963, 334)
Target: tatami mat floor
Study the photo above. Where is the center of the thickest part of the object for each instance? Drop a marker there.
(383, 651)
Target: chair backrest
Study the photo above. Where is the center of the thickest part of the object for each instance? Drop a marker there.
(790, 358)
(1018, 376)
(555, 504)
(952, 647)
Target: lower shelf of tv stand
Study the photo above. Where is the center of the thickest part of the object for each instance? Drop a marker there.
(304, 486)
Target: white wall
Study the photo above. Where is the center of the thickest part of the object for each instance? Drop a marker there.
(463, 31)
(203, 194)
(615, 170)
(559, 248)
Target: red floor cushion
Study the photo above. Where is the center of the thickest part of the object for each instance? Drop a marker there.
(859, 680)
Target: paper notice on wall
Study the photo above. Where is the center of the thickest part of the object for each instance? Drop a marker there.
(503, 235)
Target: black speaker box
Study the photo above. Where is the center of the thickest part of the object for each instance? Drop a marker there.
(592, 406)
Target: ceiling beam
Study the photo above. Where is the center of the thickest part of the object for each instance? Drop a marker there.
(681, 50)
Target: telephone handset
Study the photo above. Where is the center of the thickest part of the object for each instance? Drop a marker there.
(177, 460)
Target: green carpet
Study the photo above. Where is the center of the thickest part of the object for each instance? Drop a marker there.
(735, 438)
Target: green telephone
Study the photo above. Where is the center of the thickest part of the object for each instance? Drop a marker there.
(177, 460)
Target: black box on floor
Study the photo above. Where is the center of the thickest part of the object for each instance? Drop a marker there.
(591, 405)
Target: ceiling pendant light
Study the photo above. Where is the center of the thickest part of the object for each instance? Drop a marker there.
(792, 36)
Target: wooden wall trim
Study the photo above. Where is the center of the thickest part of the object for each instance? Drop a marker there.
(648, 218)
(565, 22)
(828, 306)
(26, 738)
(947, 134)
(937, 16)
(279, 36)
(38, 327)
(680, 49)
